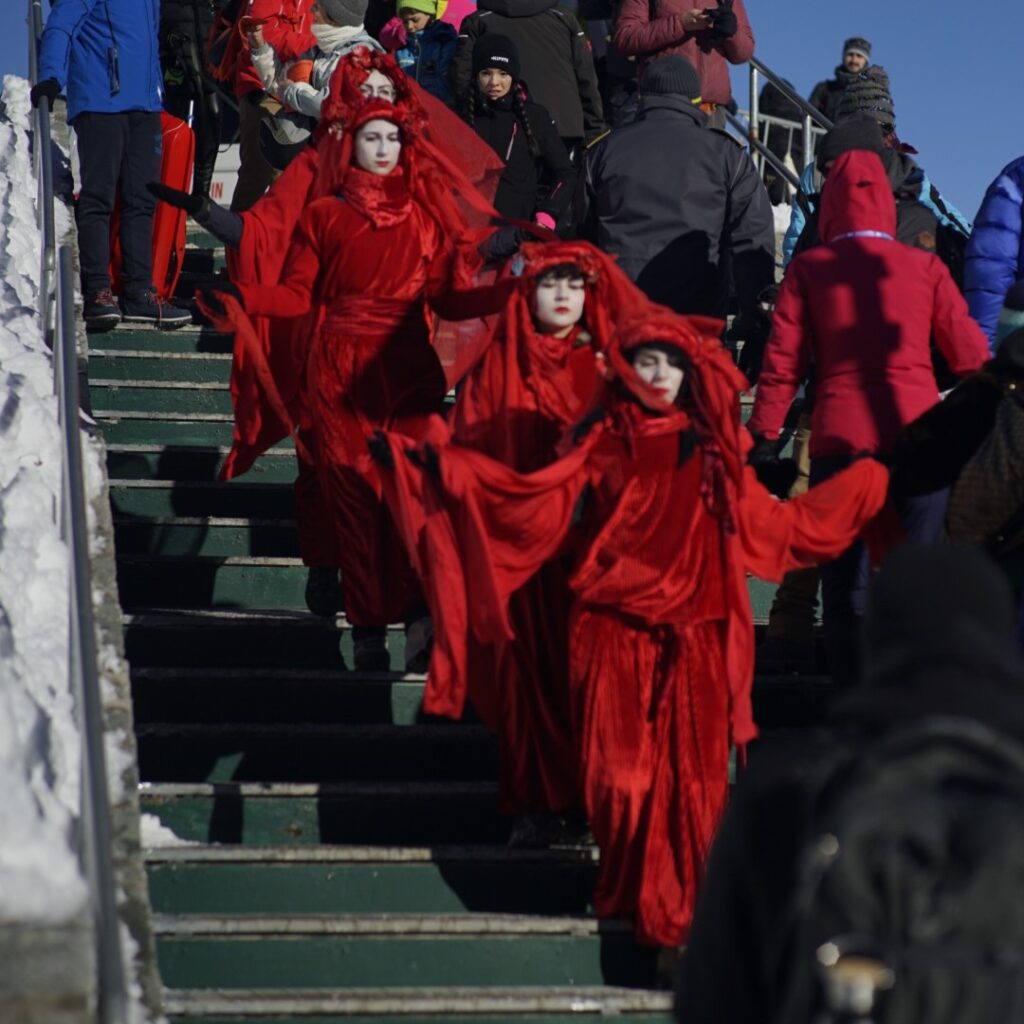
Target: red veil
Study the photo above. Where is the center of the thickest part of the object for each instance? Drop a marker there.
(453, 173)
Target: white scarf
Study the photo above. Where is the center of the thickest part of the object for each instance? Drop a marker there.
(333, 37)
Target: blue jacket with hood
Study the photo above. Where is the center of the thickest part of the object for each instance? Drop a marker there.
(995, 251)
(77, 49)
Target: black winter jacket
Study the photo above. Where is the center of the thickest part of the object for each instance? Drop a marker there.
(517, 197)
(184, 28)
(681, 205)
(554, 58)
(826, 95)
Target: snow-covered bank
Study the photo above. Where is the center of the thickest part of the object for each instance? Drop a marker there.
(40, 879)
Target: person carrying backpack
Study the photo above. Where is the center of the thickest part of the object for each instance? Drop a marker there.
(894, 833)
(428, 48)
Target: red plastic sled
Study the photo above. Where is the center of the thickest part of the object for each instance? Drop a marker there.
(179, 150)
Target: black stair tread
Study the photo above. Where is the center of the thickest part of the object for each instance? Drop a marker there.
(223, 853)
(456, 1001)
(200, 521)
(223, 618)
(345, 790)
(130, 483)
(444, 729)
(398, 924)
(151, 414)
(192, 449)
(142, 353)
(159, 385)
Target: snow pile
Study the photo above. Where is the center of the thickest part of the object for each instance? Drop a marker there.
(782, 214)
(39, 746)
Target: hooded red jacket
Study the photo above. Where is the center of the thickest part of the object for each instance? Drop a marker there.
(862, 309)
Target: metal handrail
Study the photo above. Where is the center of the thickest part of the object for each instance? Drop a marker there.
(96, 849)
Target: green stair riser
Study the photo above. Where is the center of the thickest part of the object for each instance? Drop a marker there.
(447, 888)
(158, 367)
(143, 538)
(209, 585)
(301, 821)
(179, 400)
(339, 962)
(118, 430)
(196, 464)
(431, 753)
(160, 341)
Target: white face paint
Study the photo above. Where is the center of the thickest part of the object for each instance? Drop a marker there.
(378, 87)
(655, 368)
(558, 304)
(377, 147)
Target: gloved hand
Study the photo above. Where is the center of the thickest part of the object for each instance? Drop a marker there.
(213, 297)
(776, 474)
(723, 20)
(503, 243)
(427, 458)
(175, 197)
(380, 450)
(47, 88)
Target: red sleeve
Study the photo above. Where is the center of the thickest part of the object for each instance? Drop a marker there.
(776, 536)
(294, 295)
(287, 32)
(636, 33)
(786, 358)
(956, 332)
(739, 48)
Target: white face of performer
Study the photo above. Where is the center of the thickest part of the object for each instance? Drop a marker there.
(378, 87)
(377, 146)
(558, 304)
(660, 370)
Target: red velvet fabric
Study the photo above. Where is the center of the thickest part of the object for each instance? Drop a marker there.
(661, 641)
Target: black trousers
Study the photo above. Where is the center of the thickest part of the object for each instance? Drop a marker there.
(117, 151)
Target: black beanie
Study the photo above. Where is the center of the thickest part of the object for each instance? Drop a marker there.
(670, 76)
(857, 44)
(494, 51)
(861, 131)
(868, 93)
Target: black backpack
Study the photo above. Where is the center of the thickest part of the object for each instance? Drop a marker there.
(909, 904)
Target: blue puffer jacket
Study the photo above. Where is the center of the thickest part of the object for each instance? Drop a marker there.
(426, 57)
(76, 51)
(810, 185)
(995, 251)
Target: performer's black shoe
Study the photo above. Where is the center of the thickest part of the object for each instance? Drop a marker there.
(419, 641)
(370, 644)
(323, 591)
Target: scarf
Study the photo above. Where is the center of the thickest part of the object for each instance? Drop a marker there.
(333, 37)
(384, 200)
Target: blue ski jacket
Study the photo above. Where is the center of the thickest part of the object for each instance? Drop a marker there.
(426, 57)
(995, 250)
(104, 54)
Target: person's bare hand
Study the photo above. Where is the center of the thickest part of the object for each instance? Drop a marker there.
(696, 20)
(255, 35)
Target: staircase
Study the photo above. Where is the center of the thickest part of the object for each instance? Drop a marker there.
(340, 857)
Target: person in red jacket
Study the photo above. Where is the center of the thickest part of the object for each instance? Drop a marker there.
(710, 38)
(660, 635)
(287, 27)
(858, 314)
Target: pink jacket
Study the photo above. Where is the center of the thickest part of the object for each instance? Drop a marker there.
(859, 313)
(636, 34)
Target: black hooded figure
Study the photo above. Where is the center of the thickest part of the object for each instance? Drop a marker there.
(939, 652)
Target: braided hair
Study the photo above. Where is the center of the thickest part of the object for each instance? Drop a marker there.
(474, 101)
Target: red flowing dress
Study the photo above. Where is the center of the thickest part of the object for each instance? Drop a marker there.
(660, 633)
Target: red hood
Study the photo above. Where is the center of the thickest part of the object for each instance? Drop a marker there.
(857, 197)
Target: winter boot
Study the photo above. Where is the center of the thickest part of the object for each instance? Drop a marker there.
(370, 648)
(146, 307)
(323, 591)
(101, 312)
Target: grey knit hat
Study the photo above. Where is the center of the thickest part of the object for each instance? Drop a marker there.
(670, 76)
(868, 93)
(344, 12)
(858, 44)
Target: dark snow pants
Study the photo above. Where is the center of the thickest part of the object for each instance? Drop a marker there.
(117, 150)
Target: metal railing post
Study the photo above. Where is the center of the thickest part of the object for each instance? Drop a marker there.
(808, 141)
(755, 103)
(57, 312)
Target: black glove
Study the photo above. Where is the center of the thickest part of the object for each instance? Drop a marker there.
(723, 20)
(426, 458)
(175, 197)
(380, 450)
(776, 474)
(213, 296)
(503, 244)
(49, 88)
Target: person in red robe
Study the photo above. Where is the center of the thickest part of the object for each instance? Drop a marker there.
(660, 626)
(533, 381)
(369, 253)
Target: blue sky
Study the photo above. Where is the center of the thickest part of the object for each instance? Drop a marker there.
(954, 69)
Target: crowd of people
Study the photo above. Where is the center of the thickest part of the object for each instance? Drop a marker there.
(430, 208)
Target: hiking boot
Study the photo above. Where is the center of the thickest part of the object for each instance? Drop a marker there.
(148, 308)
(323, 591)
(419, 641)
(101, 312)
(370, 646)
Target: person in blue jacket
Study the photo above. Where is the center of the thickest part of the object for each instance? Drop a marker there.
(429, 47)
(995, 250)
(105, 55)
